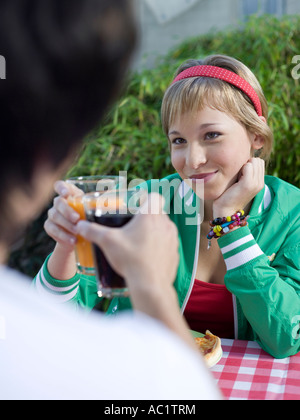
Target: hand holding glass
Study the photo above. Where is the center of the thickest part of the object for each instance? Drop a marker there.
(88, 184)
(111, 209)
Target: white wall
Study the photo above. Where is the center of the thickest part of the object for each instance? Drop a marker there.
(293, 7)
(204, 16)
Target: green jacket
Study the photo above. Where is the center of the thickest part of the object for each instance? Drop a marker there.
(263, 265)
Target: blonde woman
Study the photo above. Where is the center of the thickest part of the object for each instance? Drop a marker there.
(246, 283)
(239, 271)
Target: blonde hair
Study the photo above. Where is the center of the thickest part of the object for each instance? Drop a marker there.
(193, 94)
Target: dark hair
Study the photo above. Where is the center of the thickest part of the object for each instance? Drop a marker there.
(65, 62)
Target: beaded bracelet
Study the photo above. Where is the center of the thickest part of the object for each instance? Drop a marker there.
(222, 225)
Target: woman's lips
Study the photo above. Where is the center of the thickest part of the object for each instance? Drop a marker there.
(203, 177)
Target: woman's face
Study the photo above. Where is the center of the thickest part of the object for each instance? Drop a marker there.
(210, 147)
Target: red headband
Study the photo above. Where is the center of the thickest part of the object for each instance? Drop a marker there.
(227, 76)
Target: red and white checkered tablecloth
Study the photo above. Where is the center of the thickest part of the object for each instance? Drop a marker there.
(247, 372)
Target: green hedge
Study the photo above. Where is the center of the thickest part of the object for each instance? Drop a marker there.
(131, 138)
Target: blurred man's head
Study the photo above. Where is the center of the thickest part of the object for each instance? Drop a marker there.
(65, 63)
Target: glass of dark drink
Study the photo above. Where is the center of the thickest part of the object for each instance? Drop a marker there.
(113, 209)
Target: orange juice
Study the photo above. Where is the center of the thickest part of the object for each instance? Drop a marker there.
(83, 249)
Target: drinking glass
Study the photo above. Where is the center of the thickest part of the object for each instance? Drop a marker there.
(88, 184)
(112, 209)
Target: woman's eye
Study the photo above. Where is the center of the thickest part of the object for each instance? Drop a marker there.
(178, 141)
(212, 135)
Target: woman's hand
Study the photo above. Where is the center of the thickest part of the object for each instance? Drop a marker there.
(62, 219)
(240, 194)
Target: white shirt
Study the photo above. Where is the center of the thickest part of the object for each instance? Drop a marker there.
(49, 352)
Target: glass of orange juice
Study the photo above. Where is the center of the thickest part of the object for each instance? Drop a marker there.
(89, 184)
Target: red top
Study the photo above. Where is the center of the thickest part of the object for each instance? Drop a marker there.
(210, 307)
